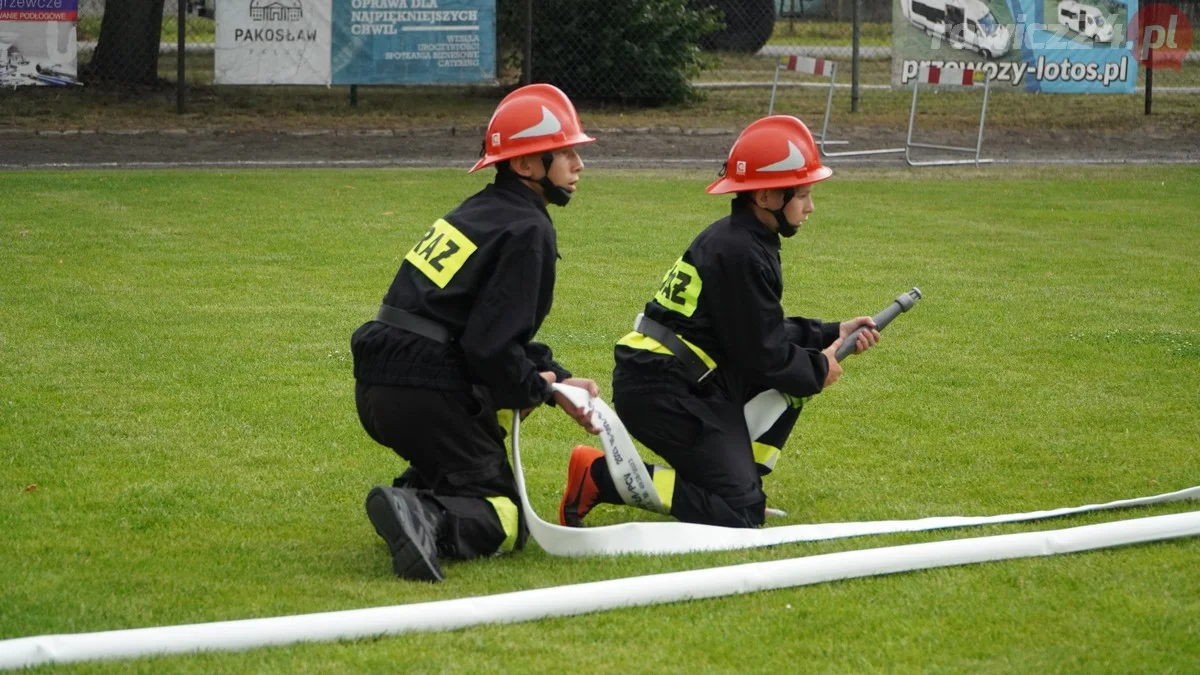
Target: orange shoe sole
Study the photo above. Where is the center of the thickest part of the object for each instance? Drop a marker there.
(581, 489)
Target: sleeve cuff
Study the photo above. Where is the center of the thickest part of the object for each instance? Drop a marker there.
(821, 366)
(561, 374)
(830, 333)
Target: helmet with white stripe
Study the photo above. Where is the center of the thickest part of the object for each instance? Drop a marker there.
(775, 152)
(534, 119)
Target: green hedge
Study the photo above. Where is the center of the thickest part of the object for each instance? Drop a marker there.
(643, 52)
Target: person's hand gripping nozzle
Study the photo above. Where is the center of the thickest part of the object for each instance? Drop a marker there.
(903, 303)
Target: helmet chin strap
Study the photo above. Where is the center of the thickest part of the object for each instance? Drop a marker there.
(556, 195)
(785, 229)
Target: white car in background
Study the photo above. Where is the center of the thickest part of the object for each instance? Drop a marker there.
(1086, 20)
(963, 23)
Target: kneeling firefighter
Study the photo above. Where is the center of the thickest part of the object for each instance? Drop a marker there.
(713, 337)
(451, 352)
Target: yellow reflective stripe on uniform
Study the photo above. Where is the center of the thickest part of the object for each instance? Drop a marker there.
(765, 454)
(441, 252)
(796, 401)
(664, 484)
(636, 340)
(680, 289)
(699, 352)
(510, 520)
(504, 418)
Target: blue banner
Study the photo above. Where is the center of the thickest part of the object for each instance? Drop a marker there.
(1051, 46)
(414, 41)
(1059, 63)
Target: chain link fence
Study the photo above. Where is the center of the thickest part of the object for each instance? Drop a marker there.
(603, 52)
(625, 50)
(136, 42)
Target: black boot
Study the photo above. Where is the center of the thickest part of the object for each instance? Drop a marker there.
(410, 529)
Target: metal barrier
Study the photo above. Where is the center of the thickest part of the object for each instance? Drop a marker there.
(952, 77)
(805, 66)
(822, 68)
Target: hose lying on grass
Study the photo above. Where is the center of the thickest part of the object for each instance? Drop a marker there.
(585, 598)
(629, 592)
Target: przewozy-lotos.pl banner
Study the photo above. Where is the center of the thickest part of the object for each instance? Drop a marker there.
(1057, 46)
(356, 42)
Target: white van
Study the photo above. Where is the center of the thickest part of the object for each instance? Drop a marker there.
(964, 23)
(1085, 20)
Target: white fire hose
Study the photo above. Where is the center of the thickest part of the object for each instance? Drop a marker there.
(656, 538)
(629, 592)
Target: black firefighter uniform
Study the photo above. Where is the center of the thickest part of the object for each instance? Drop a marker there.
(485, 274)
(722, 300)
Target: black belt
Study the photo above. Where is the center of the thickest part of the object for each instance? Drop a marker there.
(407, 321)
(692, 363)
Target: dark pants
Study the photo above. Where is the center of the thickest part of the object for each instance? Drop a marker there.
(457, 458)
(704, 438)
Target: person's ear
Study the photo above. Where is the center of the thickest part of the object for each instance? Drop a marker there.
(520, 165)
(763, 199)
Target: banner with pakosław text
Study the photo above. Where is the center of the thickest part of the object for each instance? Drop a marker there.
(37, 43)
(273, 42)
(356, 42)
(1052, 46)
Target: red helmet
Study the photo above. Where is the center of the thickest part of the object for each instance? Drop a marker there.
(773, 152)
(535, 118)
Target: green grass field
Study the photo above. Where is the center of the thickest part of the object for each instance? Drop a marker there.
(178, 440)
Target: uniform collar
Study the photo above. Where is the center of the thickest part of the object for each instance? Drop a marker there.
(743, 216)
(512, 183)
(509, 182)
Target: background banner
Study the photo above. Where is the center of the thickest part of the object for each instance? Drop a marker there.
(37, 42)
(1059, 46)
(414, 41)
(356, 42)
(273, 42)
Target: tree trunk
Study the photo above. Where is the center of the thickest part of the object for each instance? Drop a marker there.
(127, 50)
